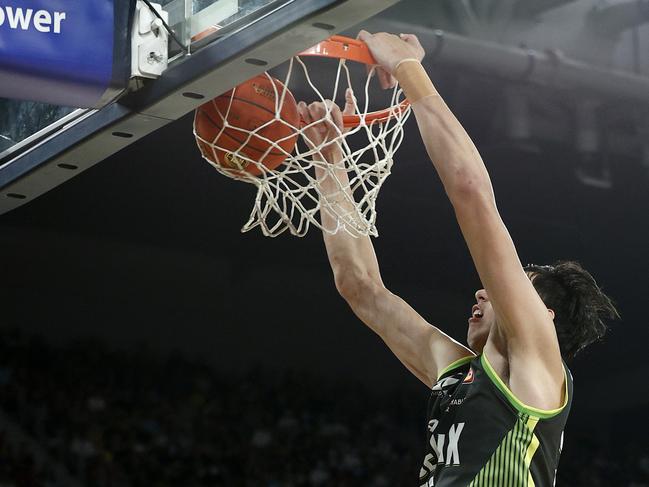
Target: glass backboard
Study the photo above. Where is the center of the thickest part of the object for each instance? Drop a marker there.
(41, 146)
(21, 121)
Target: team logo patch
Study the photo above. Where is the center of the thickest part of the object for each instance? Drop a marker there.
(469, 377)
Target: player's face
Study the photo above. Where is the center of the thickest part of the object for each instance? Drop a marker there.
(481, 320)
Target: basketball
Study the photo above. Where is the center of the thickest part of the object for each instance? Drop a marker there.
(243, 122)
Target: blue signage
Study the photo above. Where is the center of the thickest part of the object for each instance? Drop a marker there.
(57, 51)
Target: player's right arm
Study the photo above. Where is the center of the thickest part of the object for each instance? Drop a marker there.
(421, 347)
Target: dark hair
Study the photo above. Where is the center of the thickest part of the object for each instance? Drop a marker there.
(580, 307)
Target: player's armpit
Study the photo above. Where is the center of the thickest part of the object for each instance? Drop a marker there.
(421, 347)
(534, 384)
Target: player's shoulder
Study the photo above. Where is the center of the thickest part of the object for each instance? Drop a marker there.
(462, 364)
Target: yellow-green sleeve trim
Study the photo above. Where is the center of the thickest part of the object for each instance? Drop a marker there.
(517, 403)
(455, 364)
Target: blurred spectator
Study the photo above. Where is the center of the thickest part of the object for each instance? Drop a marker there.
(118, 419)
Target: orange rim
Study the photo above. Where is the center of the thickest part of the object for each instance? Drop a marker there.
(341, 47)
(380, 116)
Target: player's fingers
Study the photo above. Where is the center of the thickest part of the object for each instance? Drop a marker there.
(367, 38)
(385, 79)
(309, 134)
(381, 77)
(391, 80)
(316, 109)
(364, 36)
(337, 116)
(319, 111)
(328, 109)
(304, 112)
(413, 40)
(350, 102)
(331, 106)
(410, 39)
(334, 117)
(314, 130)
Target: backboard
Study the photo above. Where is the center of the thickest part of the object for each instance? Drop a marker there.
(42, 146)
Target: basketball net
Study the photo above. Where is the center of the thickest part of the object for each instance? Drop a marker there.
(288, 197)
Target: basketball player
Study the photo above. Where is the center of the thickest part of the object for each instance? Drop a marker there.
(499, 406)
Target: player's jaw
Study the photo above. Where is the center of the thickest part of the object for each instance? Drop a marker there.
(480, 322)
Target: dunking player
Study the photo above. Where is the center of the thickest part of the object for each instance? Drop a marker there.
(498, 408)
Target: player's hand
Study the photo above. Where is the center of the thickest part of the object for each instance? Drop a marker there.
(326, 120)
(388, 50)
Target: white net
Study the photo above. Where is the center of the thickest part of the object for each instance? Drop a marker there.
(290, 197)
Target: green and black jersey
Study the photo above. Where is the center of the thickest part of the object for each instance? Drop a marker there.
(481, 435)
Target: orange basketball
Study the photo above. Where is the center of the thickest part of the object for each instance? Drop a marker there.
(246, 108)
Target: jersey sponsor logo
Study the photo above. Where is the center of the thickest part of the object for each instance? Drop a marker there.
(469, 377)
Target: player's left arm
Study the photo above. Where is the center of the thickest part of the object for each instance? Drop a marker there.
(532, 348)
(533, 354)
(534, 358)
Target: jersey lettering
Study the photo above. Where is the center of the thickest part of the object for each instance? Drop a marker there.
(437, 442)
(452, 453)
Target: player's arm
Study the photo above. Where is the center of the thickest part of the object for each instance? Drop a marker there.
(536, 370)
(421, 347)
(533, 354)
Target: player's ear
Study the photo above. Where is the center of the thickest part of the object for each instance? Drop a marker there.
(551, 313)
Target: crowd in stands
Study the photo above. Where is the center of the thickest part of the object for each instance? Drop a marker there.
(19, 468)
(132, 419)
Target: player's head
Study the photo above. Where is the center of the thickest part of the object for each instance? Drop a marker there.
(578, 305)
